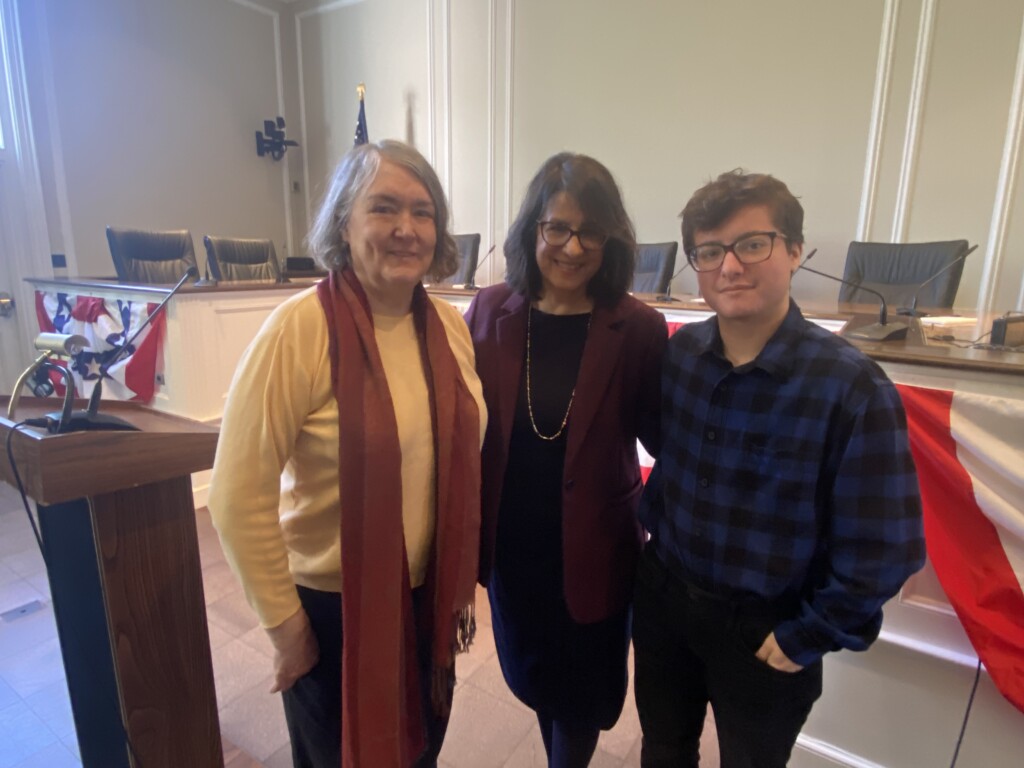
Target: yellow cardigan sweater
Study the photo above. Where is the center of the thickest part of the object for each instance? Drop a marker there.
(274, 494)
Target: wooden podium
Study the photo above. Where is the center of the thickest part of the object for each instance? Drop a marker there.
(118, 526)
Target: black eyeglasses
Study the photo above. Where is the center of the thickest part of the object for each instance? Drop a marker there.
(752, 248)
(558, 234)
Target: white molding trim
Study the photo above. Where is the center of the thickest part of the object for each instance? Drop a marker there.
(833, 753)
(927, 649)
(302, 121)
(286, 183)
(911, 141)
(327, 7)
(431, 132)
(492, 77)
(510, 40)
(321, 9)
(879, 105)
(1001, 210)
(60, 179)
(446, 51)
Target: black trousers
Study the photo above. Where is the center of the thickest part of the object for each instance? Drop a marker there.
(690, 649)
(312, 707)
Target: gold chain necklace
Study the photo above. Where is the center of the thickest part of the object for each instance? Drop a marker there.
(529, 399)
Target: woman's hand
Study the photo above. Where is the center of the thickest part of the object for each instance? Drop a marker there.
(295, 650)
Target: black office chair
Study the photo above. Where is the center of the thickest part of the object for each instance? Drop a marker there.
(231, 259)
(142, 256)
(655, 263)
(897, 270)
(469, 251)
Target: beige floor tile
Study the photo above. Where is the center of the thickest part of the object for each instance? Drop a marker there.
(34, 669)
(53, 707)
(27, 562)
(484, 731)
(22, 734)
(280, 759)
(602, 759)
(257, 639)
(483, 607)
(218, 637)
(488, 678)
(633, 758)
(481, 651)
(233, 614)
(28, 631)
(255, 721)
(236, 669)
(54, 756)
(16, 593)
(530, 752)
(219, 582)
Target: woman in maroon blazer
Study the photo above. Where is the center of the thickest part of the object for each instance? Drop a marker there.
(570, 365)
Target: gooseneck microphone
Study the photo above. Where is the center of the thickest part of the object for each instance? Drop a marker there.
(667, 296)
(471, 285)
(912, 309)
(90, 418)
(883, 330)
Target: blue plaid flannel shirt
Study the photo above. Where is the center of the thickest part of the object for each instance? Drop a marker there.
(787, 479)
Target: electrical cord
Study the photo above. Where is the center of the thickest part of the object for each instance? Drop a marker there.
(45, 423)
(21, 486)
(974, 343)
(967, 714)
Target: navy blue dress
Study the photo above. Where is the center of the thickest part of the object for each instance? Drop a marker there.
(564, 670)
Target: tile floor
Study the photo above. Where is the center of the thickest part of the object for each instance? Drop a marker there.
(489, 727)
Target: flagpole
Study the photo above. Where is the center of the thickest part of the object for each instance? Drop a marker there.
(362, 134)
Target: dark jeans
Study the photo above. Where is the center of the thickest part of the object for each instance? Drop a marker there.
(312, 707)
(691, 648)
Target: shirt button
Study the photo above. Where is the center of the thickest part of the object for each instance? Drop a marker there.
(569, 484)
(703, 482)
(711, 435)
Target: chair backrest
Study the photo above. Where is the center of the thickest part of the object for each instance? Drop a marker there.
(231, 259)
(654, 265)
(897, 270)
(469, 251)
(142, 256)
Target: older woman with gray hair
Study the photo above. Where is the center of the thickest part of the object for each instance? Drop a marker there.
(346, 486)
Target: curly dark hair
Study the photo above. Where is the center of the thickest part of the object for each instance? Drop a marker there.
(593, 188)
(718, 200)
(350, 179)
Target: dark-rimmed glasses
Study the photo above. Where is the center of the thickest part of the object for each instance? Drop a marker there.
(752, 248)
(558, 234)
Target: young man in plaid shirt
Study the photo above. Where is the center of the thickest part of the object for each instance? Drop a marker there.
(783, 508)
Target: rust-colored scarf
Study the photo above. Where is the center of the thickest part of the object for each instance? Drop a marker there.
(382, 721)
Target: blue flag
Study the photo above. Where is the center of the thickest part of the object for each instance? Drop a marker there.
(362, 135)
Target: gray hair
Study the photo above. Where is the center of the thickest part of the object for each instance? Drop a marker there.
(350, 180)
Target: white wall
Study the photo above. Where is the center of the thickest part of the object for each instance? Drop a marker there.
(156, 107)
(670, 94)
(146, 110)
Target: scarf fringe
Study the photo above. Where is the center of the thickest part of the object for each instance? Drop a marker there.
(465, 628)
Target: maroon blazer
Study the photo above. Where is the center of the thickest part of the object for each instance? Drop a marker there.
(617, 401)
